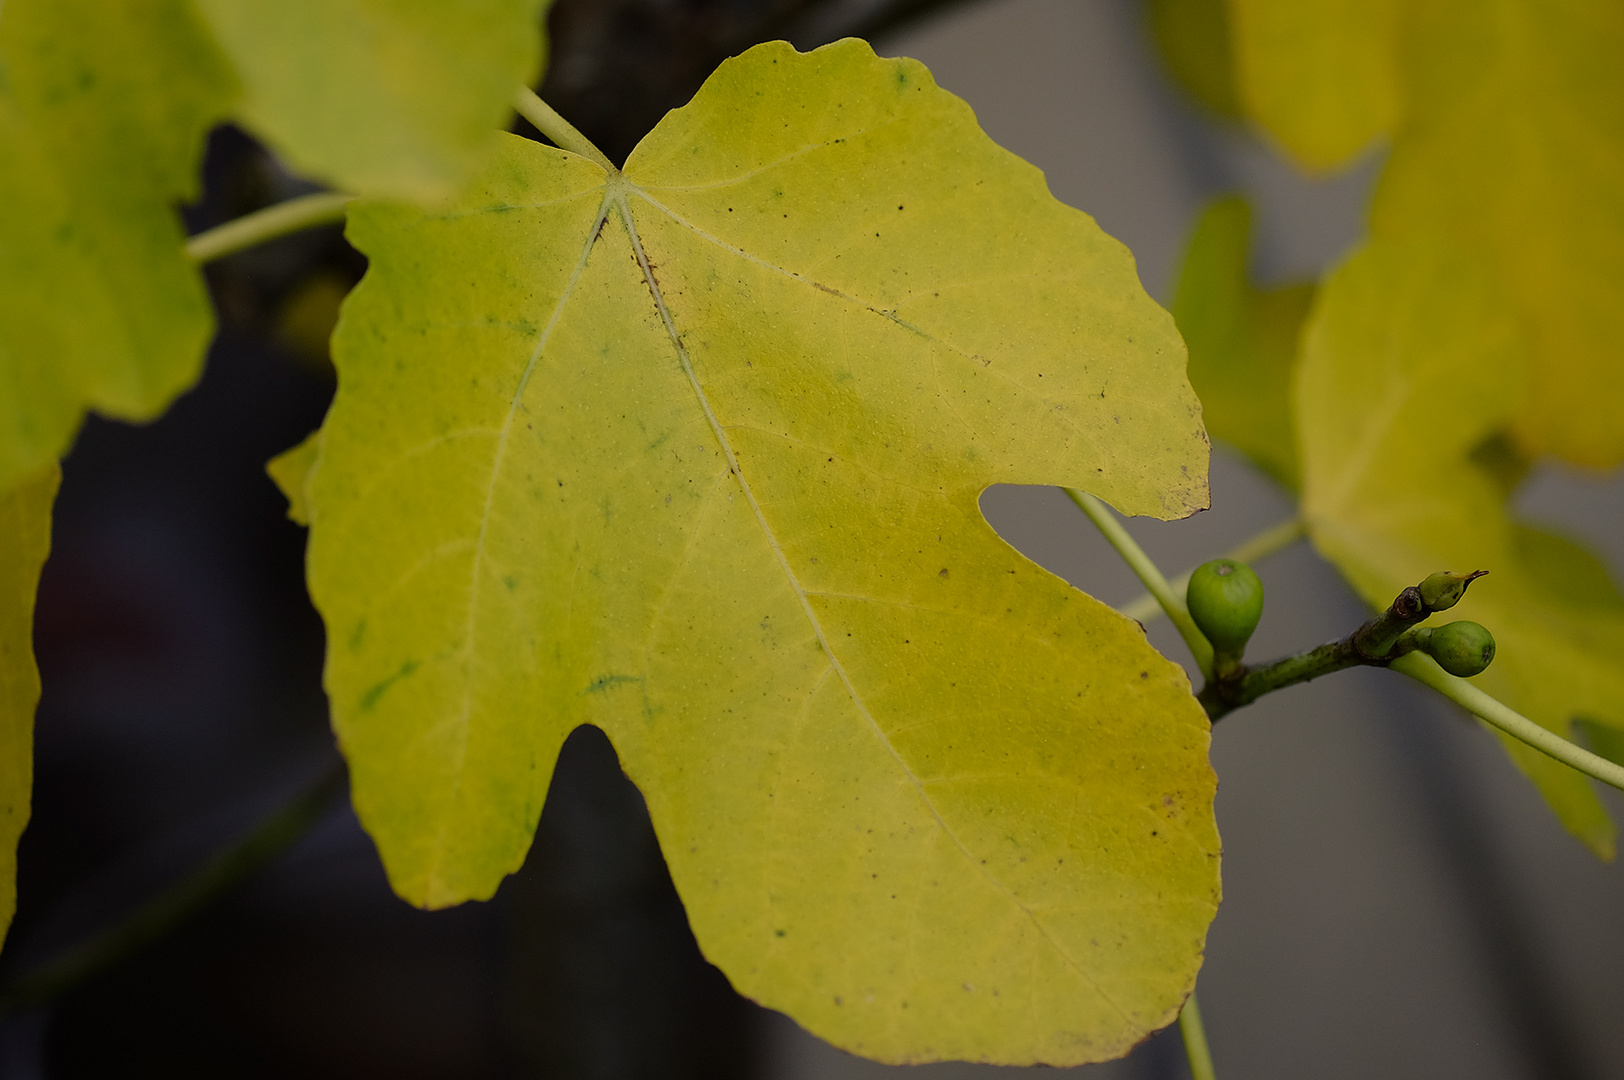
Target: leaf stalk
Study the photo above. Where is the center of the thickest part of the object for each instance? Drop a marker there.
(1149, 575)
(1195, 1041)
(559, 131)
(239, 234)
(1425, 670)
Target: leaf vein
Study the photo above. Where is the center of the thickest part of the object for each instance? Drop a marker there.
(890, 315)
(437, 849)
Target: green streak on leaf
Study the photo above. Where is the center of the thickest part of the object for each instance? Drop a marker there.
(977, 804)
(25, 540)
(370, 699)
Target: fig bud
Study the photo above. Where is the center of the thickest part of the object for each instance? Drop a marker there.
(1443, 590)
(1461, 648)
(1225, 600)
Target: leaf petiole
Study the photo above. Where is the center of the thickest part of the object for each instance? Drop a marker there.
(1149, 574)
(1145, 609)
(1423, 669)
(560, 131)
(305, 212)
(1195, 1040)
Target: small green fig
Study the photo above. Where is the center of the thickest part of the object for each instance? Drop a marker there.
(1443, 590)
(1461, 648)
(1226, 600)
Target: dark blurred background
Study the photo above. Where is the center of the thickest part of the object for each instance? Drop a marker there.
(1398, 903)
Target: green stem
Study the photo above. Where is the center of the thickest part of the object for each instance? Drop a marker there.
(1145, 608)
(1423, 669)
(1149, 575)
(558, 130)
(307, 211)
(269, 839)
(1195, 1041)
(1222, 696)
(1377, 642)
(1376, 638)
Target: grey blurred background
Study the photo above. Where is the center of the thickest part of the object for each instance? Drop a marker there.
(1398, 902)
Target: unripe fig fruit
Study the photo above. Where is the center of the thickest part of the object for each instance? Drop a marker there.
(1461, 648)
(1226, 600)
(1443, 590)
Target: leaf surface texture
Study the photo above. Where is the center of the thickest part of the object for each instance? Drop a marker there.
(693, 454)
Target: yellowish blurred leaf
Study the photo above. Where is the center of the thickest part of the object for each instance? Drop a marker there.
(1194, 39)
(1512, 159)
(1321, 77)
(1410, 364)
(1242, 340)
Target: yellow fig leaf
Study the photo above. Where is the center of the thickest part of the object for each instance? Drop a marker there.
(692, 453)
(1322, 78)
(103, 108)
(1412, 364)
(1242, 340)
(25, 539)
(1512, 158)
(401, 99)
